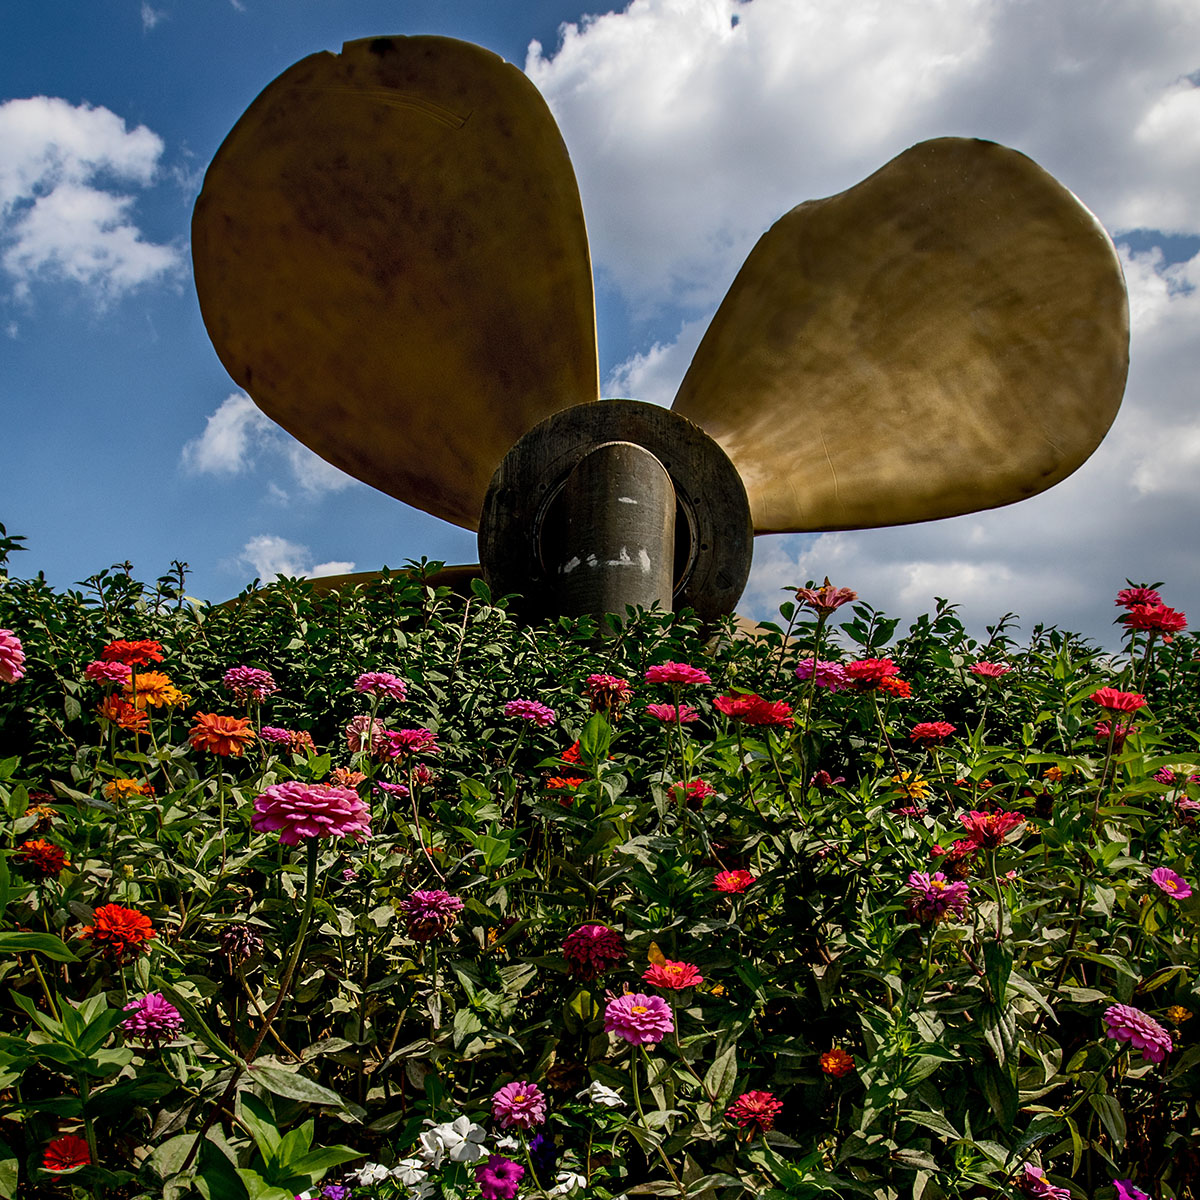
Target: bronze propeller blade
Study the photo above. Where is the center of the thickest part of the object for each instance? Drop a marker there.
(391, 259)
(949, 335)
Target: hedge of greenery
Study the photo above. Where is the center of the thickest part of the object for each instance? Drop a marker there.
(662, 912)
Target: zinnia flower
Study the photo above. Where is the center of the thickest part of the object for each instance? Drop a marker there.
(344, 777)
(1115, 701)
(754, 710)
(430, 913)
(1171, 884)
(931, 733)
(12, 656)
(1128, 597)
(990, 670)
(822, 780)
(757, 1109)
(934, 898)
(685, 714)
(122, 789)
(221, 735)
(677, 674)
(275, 735)
(915, 787)
(1128, 1024)
(1103, 730)
(402, 742)
(531, 710)
(107, 672)
(250, 684)
(1156, 618)
(66, 1153)
(132, 653)
(240, 941)
(870, 672)
(116, 930)
(607, 693)
(836, 1062)
(672, 976)
(956, 862)
(363, 733)
(40, 859)
(123, 714)
(382, 683)
(152, 1019)
(1033, 1182)
(829, 675)
(732, 881)
(308, 810)
(640, 1020)
(826, 598)
(153, 689)
(519, 1106)
(1177, 1014)
(698, 789)
(989, 829)
(591, 949)
(499, 1178)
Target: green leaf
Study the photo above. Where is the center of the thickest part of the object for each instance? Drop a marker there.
(720, 1078)
(196, 1025)
(293, 1086)
(37, 943)
(595, 741)
(1111, 1117)
(9, 1172)
(259, 1120)
(5, 882)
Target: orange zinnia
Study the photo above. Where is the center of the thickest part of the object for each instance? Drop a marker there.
(836, 1062)
(118, 789)
(123, 714)
(115, 930)
(153, 689)
(221, 735)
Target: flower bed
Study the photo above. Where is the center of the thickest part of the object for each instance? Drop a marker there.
(385, 894)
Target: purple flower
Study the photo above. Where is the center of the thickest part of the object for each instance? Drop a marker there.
(831, 675)
(933, 898)
(152, 1019)
(1171, 884)
(639, 1019)
(499, 1177)
(1126, 1190)
(430, 913)
(335, 1191)
(531, 710)
(1033, 1182)
(392, 789)
(249, 683)
(519, 1106)
(12, 656)
(1129, 1024)
(381, 683)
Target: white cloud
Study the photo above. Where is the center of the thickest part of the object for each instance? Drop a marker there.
(62, 215)
(151, 16)
(238, 435)
(691, 132)
(269, 556)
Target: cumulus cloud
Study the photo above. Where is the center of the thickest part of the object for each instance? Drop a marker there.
(694, 124)
(65, 211)
(269, 557)
(239, 436)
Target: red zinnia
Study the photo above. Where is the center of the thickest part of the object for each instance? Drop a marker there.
(990, 670)
(132, 653)
(41, 858)
(1128, 597)
(870, 672)
(931, 733)
(733, 881)
(116, 930)
(1116, 701)
(591, 949)
(1157, 618)
(893, 685)
(698, 789)
(989, 829)
(672, 976)
(757, 1109)
(752, 709)
(66, 1153)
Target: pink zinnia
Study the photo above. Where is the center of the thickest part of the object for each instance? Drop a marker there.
(402, 742)
(1033, 1182)
(640, 1020)
(676, 673)
(153, 1018)
(1128, 1024)
(275, 735)
(309, 810)
(519, 1106)
(672, 976)
(933, 898)
(1115, 701)
(1103, 730)
(430, 913)
(830, 675)
(733, 881)
(1171, 884)
(107, 672)
(591, 949)
(931, 733)
(685, 714)
(698, 789)
(755, 1108)
(990, 670)
(1156, 618)
(249, 683)
(12, 656)
(989, 829)
(363, 733)
(531, 710)
(607, 693)
(1128, 597)
(381, 683)
(826, 598)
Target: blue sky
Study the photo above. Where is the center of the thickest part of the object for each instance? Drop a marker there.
(692, 125)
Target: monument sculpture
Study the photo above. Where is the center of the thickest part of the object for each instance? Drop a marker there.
(391, 259)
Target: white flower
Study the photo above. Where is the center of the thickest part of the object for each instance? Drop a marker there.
(410, 1171)
(431, 1148)
(508, 1144)
(462, 1139)
(597, 1093)
(567, 1182)
(369, 1174)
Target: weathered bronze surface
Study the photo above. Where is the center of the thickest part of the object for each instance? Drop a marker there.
(391, 259)
(949, 335)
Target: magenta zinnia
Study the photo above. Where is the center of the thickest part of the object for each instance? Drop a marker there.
(607, 693)
(250, 684)
(1171, 884)
(732, 881)
(403, 742)
(531, 710)
(381, 683)
(519, 1106)
(591, 949)
(108, 672)
(152, 1019)
(1128, 597)
(430, 913)
(640, 1020)
(1115, 701)
(931, 733)
(310, 810)
(1128, 1024)
(757, 1109)
(825, 599)
(685, 714)
(933, 898)
(990, 670)
(677, 674)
